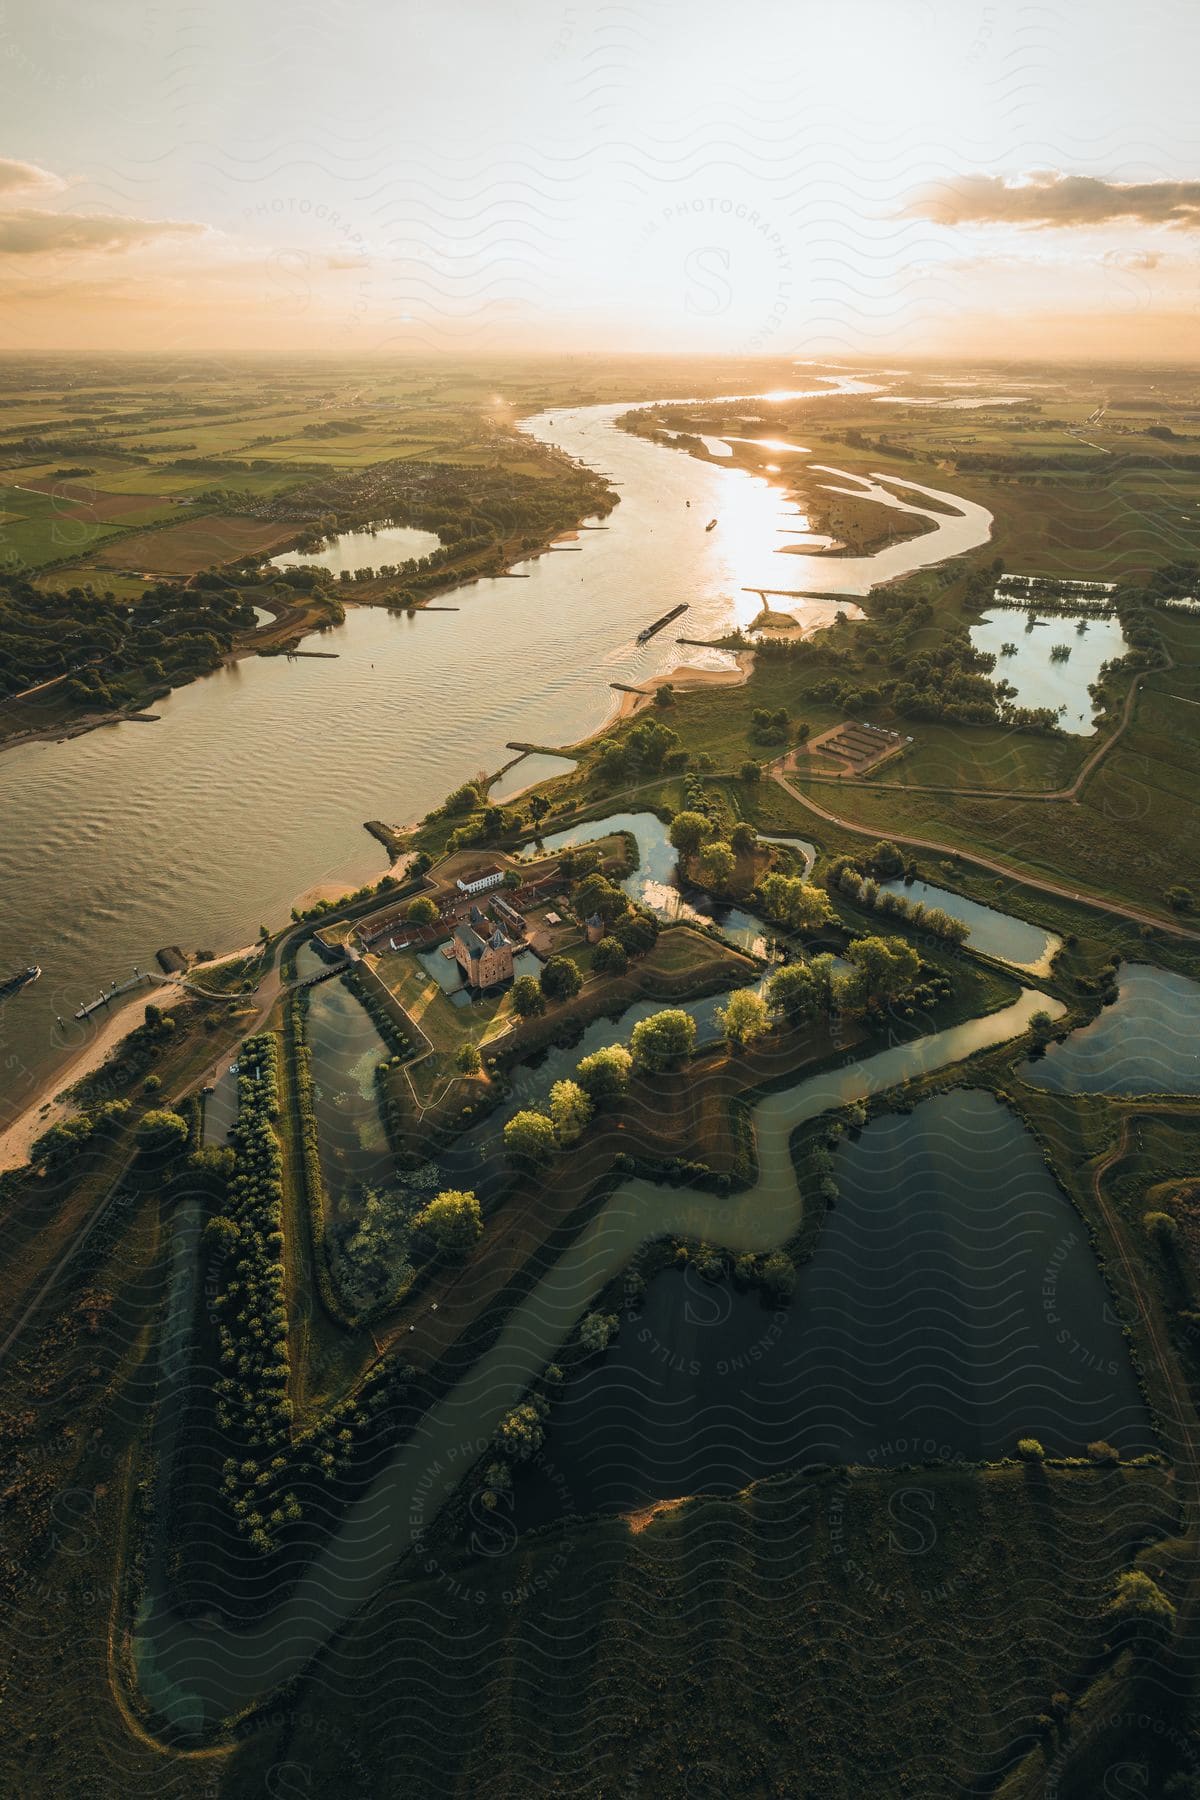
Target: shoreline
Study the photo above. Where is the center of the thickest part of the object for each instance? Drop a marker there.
(49, 1102)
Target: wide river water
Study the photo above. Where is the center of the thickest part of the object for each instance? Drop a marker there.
(254, 785)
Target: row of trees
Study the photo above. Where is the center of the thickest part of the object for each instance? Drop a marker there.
(663, 1041)
(865, 891)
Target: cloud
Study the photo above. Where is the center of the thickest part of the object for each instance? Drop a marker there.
(28, 232)
(27, 178)
(1048, 198)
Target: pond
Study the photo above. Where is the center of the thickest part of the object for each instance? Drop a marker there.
(345, 1049)
(1147, 1042)
(993, 933)
(1032, 670)
(654, 884)
(953, 1304)
(367, 549)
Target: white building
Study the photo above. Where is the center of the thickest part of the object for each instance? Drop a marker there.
(489, 879)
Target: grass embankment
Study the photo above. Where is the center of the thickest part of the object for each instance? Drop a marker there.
(834, 1635)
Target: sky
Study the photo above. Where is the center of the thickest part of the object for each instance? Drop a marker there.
(384, 177)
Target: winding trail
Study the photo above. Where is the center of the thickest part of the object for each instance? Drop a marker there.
(1011, 871)
(1070, 792)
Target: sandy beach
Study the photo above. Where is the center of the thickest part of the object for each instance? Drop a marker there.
(681, 679)
(46, 1104)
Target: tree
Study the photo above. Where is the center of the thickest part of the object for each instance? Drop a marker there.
(597, 894)
(1162, 1228)
(794, 902)
(778, 1273)
(887, 968)
(560, 978)
(604, 1075)
(1029, 1449)
(610, 762)
(511, 881)
(743, 1018)
(530, 1137)
(1138, 1607)
(61, 1142)
(717, 863)
(688, 831)
(570, 1110)
(162, 1133)
(885, 860)
(421, 911)
(663, 1040)
(1178, 897)
(637, 932)
(750, 772)
(596, 1332)
(453, 1220)
(469, 1060)
(464, 799)
(519, 1434)
(610, 957)
(664, 695)
(528, 1000)
(794, 993)
(743, 838)
(539, 806)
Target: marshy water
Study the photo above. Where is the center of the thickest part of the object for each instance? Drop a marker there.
(193, 1673)
(1041, 678)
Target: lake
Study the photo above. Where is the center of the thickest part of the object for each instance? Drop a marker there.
(952, 1305)
(370, 548)
(1147, 1042)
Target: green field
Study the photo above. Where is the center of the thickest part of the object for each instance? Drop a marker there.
(783, 1641)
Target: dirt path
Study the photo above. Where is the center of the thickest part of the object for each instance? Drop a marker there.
(1009, 870)
(1070, 793)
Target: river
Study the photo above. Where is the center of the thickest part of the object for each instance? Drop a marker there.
(253, 786)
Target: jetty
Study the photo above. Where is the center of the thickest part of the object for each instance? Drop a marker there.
(650, 631)
(136, 980)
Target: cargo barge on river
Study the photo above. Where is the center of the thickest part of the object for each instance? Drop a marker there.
(653, 630)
